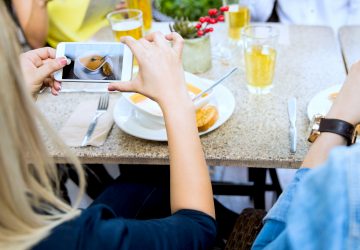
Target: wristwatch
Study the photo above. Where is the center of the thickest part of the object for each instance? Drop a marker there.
(321, 124)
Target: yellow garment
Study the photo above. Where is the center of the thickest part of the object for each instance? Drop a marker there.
(66, 22)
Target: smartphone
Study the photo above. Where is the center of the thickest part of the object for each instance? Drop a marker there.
(95, 62)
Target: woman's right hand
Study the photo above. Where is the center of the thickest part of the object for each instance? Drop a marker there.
(161, 76)
(347, 104)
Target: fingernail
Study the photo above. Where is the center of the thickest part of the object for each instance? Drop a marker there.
(62, 61)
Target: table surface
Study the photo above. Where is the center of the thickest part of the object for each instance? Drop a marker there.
(257, 134)
(350, 39)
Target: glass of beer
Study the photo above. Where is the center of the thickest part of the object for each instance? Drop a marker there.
(145, 7)
(236, 18)
(127, 22)
(260, 54)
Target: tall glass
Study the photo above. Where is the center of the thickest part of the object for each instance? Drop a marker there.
(236, 18)
(260, 43)
(145, 7)
(127, 22)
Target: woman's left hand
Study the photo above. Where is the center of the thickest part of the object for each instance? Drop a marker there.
(38, 67)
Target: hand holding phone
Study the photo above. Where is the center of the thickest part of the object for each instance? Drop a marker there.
(95, 62)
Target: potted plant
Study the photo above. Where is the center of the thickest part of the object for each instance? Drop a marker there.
(197, 48)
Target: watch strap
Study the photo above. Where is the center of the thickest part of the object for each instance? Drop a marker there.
(339, 127)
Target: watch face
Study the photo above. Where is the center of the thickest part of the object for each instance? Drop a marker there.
(314, 128)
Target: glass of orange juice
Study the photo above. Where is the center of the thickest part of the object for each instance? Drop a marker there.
(145, 7)
(260, 55)
(236, 18)
(127, 22)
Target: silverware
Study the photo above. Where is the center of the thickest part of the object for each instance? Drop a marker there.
(215, 83)
(101, 109)
(292, 118)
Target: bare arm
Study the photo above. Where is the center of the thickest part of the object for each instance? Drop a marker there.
(33, 18)
(346, 107)
(189, 178)
(161, 78)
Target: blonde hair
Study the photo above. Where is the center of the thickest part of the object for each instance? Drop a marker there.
(29, 184)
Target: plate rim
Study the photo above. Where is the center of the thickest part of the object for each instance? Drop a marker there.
(316, 96)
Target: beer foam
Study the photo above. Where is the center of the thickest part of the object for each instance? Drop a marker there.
(126, 25)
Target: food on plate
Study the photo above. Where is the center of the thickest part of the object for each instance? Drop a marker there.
(136, 98)
(145, 105)
(92, 62)
(107, 69)
(333, 96)
(193, 91)
(206, 117)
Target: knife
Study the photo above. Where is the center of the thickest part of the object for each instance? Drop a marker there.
(292, 118)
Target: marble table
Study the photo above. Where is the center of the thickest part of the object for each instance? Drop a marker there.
(350, 39)
(257, 134)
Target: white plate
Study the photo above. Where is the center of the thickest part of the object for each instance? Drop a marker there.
(126, 117)
(151, 108)
(321, 103)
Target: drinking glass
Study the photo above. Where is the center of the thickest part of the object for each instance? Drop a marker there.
(260, 54)
(236, 18)
(145, 7)
(127, 22)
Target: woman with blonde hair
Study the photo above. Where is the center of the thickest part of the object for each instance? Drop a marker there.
(32, 214)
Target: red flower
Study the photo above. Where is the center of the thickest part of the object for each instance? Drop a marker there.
(207, 30)
(221, 18)
(212, 12)
(213, 17)
(212, 21)
(224, 8)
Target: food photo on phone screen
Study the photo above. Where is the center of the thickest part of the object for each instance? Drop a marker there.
(94, 62)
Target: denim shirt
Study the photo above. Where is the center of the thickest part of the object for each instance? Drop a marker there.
(320, 209)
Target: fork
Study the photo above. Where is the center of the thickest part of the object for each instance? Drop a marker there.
(101, 109)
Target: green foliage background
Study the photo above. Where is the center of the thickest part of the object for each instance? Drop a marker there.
(192, 9)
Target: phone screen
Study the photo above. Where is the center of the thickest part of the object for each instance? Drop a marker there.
(95, 62)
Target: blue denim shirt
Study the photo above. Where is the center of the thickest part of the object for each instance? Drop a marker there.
(320, 209)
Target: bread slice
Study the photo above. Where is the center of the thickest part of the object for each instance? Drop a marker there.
(206, 117)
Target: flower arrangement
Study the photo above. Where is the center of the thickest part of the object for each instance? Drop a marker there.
(189, 30)
(191, 9)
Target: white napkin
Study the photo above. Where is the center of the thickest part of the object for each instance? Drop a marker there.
(76, 126)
